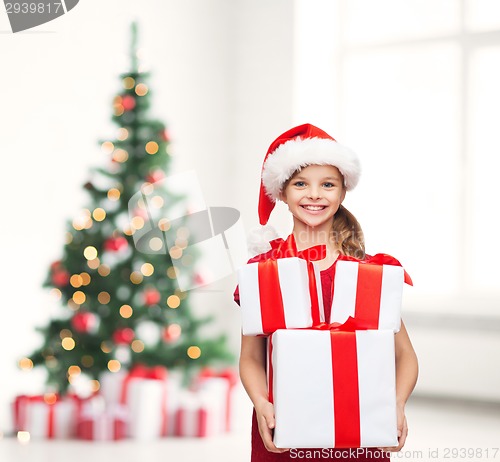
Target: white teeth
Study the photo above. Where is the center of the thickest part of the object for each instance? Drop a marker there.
(313, 207)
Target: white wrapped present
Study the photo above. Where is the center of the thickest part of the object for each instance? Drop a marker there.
(333, 389)
(279, 294)
(369, 290)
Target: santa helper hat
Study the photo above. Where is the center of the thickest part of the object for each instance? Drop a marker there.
(297, 148)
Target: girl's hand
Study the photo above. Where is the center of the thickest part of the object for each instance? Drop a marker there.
(402, 430)
(265, 419)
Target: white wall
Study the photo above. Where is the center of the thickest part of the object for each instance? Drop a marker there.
(455, 336)
(222, 80)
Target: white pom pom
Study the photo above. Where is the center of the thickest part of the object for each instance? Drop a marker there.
(259, 237)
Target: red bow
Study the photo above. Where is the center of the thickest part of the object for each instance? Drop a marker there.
(229, 374)
(350, 325)
(288, 248)
(379, 259)
(143, 372)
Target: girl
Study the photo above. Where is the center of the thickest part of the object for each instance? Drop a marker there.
(309, 171)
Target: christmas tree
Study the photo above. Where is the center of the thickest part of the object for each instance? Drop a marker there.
(123, 306)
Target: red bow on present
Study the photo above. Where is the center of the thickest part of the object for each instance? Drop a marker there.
(350, 325)
(379, 259)
(288, 249)
(271, 301)
(229, 374)
(140, 371)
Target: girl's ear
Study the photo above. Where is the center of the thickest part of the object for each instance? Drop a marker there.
(282, 196)
(342, 197)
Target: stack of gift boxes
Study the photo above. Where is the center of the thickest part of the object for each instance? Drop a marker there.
(332, 385)
(143, 403)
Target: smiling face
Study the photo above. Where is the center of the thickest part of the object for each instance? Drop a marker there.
(313, 195)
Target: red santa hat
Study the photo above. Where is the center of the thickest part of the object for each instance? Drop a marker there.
(298, 147)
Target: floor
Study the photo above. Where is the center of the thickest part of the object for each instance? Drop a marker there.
(439, 431)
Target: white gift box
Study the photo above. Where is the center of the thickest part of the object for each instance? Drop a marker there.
(147, 402)
(198, 415)
(111, 386)
(261, 314)
(43, 420)
(220, 392)
(146, 399)
(368, 292)
(99, 424)
(323, 399)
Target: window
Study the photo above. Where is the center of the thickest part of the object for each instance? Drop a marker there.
(416, 94)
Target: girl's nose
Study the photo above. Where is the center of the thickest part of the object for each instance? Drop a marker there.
(314, 192)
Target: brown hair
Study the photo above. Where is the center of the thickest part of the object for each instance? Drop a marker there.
(348, 234)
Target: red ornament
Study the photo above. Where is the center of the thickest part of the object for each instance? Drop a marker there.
(115, 244)
(165, 135)
(60, 278)
(156, 175)
(55, 265)
(171, 333)
(151, 297)
(128, 102)
(123, 336)
(84, 322)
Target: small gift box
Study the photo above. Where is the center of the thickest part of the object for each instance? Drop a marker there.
(47, 416)
(108, 424)
(333, 389)
(279, 294)
(198, 415)
(221, 386)
(111, 388)
(144, 392)
(370, 290)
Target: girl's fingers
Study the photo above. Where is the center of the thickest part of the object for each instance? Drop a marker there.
(402, 434)
(265, 427)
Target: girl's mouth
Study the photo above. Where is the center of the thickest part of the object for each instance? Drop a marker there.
(314, 208)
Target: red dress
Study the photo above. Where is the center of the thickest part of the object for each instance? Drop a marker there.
(261, 454)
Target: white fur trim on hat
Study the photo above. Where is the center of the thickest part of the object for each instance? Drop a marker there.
(298, 153)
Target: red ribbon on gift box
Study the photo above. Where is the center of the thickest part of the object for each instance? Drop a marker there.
(201, 420)
(271, 301)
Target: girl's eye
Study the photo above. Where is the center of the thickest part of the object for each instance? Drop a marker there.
(328, 185)
(299, 184)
